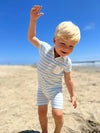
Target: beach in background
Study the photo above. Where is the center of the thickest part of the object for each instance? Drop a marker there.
(18, 108)
(92, 63)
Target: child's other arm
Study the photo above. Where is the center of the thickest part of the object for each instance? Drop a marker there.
(70, 86)
(34, 15)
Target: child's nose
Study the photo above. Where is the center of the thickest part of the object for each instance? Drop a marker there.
(66, 47)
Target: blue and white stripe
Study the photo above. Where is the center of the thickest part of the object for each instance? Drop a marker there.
(50, 72)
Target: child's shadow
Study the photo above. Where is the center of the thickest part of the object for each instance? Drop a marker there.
(29, 131)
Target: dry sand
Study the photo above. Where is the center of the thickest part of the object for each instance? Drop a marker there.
(18, 109)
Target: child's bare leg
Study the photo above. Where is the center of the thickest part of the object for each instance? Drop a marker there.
(42, 111)
(58, 117)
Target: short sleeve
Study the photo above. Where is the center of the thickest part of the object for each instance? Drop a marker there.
(43, 46)
(68, 67)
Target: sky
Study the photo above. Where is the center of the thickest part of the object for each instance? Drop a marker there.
(15, 49)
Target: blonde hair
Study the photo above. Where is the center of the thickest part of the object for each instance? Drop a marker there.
(67, 31)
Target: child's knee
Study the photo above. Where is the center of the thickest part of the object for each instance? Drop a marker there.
(57, 114)
(42, 111)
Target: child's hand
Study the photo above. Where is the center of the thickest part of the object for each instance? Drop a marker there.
(73, 100)
(35, 12)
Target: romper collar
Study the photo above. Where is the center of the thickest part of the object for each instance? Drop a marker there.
(52, 50)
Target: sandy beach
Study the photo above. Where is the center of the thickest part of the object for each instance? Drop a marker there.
(18, 108)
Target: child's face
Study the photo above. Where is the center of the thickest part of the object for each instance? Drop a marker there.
(63, 48)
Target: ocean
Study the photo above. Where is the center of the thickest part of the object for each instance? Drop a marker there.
(86, 63)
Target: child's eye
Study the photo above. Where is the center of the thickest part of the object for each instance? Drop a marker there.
(71, 46)
(62, 43)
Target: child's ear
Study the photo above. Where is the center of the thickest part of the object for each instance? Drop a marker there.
(54, 40)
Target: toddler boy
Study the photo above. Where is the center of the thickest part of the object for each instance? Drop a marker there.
(53, 64)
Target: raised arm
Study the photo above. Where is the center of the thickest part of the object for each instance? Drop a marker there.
(34, 15)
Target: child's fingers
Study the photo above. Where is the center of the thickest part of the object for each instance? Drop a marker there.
(38, 9)
(34, 11)
(41, 14)
(36, 6)
(74, 103)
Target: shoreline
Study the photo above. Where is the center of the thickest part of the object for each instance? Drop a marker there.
(74, 68)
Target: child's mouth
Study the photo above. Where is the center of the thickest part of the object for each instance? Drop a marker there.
(64, 52)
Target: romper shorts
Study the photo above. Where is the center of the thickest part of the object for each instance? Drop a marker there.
(56, 100)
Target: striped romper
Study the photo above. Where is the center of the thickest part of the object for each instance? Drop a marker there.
(50, 72)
